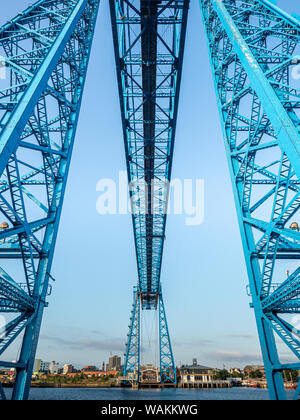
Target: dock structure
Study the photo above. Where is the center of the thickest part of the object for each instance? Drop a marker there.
(205, 385)
(124, 382)
(145, 385)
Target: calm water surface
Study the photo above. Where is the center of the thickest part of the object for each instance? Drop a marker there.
(164, 394)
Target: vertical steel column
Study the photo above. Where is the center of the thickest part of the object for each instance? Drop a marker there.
(167, 364)
(254, 51)
(46, 51)
(132, 355)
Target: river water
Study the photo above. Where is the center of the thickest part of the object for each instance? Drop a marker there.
(101, 394)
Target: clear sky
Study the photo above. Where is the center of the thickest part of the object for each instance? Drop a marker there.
(204, 277)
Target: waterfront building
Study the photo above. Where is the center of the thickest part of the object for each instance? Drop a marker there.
(111, 372)
(73, 374)
(98, 373)
(92, 373)
(40, 366)
(196, 374)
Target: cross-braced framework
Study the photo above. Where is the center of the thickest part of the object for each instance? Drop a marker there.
(45, 52)
(132, 369)
(254, 50)
(167, 371)
(149, 39)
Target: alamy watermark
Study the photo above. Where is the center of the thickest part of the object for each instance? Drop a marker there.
(296, 67)
(2, 327)
(296, 72)
(2, 68)
(158, 197)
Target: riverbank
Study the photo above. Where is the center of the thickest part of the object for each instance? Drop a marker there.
(67, 385)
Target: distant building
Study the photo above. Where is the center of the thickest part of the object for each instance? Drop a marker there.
(92, 373)
(68, 369)
(114, 363)
(254, 368)
(98, 373)
(90, 369)
(193, 374)
(234, 371)
(73, 374)
(40, 366)
(54, 367)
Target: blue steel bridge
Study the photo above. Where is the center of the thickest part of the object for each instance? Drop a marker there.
(254, 50)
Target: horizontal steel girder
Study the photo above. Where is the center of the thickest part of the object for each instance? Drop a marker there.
(149, 39)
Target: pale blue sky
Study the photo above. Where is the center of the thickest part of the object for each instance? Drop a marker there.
(203, 276)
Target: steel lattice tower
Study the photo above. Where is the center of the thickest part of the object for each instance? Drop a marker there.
(45, 52)
(149, 39)
(254, 50)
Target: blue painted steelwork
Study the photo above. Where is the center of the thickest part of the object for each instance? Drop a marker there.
(45, 51)
(167, 364)
(132, 365)
(149, 39)
(254, 51)
(133, 346)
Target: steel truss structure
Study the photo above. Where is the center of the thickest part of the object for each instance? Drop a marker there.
(132, 371)
(254, 52)
(45, 51)
(149, 40)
